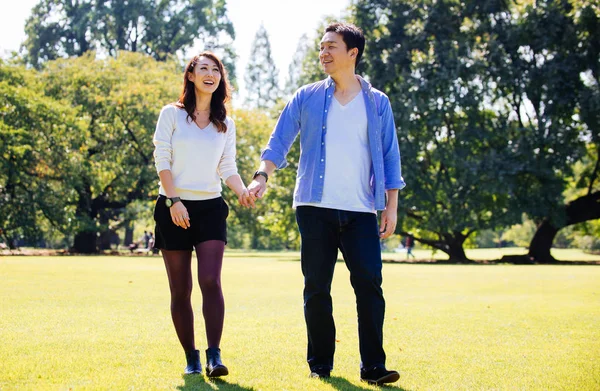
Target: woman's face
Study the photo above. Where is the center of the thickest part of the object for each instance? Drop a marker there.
(206, 76)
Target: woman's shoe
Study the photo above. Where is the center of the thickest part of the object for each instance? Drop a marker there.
(193, 362)
(214, 366)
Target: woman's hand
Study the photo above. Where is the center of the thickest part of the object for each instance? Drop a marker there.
(179, 215)
(244, 198)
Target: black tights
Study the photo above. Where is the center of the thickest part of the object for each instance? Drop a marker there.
(178, 264)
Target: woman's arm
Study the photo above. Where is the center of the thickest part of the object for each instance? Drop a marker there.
(163, 156)
(235, 183)
(179, 213)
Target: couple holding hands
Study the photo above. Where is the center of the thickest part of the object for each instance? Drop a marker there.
(349, 169)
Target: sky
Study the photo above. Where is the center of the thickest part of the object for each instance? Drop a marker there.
(285, 22)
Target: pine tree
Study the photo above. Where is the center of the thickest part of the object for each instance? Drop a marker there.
(292, 82)
(262, 76)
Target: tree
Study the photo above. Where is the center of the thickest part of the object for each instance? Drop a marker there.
(262, 76)
(540, 62)
(62, 28)
(292, 82)
(117, 107)
(428, 56)
(35, 155)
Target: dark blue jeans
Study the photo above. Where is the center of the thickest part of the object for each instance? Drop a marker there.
(324, 231)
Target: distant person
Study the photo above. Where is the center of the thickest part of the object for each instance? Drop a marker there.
(349, 169)
(151, 242)
(133, 246)
(410, 243)
(194, 150)
(146, 239)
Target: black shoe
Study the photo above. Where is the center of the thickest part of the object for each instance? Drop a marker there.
(379, 376)
(214, 366)
(320, 372)
(193, 362)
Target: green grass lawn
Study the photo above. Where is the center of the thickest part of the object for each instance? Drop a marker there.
(103, 323)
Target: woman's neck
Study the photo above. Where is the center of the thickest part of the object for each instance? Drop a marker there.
(203, 101)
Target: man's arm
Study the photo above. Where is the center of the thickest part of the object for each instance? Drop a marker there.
(273, 156)
(258, 186)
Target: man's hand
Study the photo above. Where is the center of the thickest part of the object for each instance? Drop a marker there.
(257, 187)
(389, 219)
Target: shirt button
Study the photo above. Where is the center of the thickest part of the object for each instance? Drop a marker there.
(325, 110)
(321, 176)
(322, 143)
(323, 127)
(321, 159)
(329, 96)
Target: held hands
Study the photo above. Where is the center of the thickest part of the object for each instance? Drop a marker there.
(179, 215)
(245, 199)
(257, 187)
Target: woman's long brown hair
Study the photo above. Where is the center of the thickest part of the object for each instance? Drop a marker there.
(187, 99)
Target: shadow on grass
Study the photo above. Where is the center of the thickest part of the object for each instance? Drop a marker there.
(199, 382)
(344, 385)
(507, 259)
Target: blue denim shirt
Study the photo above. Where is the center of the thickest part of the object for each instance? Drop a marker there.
(306, 113)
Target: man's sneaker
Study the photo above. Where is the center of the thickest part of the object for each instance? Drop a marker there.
(320, 372)
(379, 376)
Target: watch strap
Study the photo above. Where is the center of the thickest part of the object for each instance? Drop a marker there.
(174, 200)
(261, 173)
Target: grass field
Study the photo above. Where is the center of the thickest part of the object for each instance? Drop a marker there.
(103, 323)
(477, 254)
(488, 254)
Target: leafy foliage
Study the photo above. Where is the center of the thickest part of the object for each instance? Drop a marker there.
(61, 28)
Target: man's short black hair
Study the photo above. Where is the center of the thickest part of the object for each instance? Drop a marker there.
(353, 37)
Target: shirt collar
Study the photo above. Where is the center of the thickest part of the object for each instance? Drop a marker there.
(364, 84)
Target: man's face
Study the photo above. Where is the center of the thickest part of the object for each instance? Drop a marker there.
(334, 54)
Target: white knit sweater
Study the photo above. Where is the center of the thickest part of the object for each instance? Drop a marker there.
(196, 157)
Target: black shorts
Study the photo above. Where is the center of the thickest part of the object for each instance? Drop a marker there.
(207, 222)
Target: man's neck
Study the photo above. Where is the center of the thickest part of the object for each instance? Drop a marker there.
(346, 82)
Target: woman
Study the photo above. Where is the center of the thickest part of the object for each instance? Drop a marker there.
(194, 149)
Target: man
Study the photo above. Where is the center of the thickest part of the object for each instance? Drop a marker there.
(349, 168)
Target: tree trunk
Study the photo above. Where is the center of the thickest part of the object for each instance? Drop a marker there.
(105, 239)
(455, 251)
(450, 243)
(85, 242)
(539, 249)
(105, 234)
(11, 242)
(128, 233)
(85, 239)
(582, 209)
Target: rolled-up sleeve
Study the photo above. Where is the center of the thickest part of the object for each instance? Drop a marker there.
(227, 166)
(391, 151)
(163, 148)
(284, 134)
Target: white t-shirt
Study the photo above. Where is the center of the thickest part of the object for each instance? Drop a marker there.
(196, 157)
(347, 159)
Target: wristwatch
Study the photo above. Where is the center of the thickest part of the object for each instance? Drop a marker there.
(263, 174)
(171, 201)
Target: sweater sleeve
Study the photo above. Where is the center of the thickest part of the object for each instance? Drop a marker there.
(227, 166)
(163, 149)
